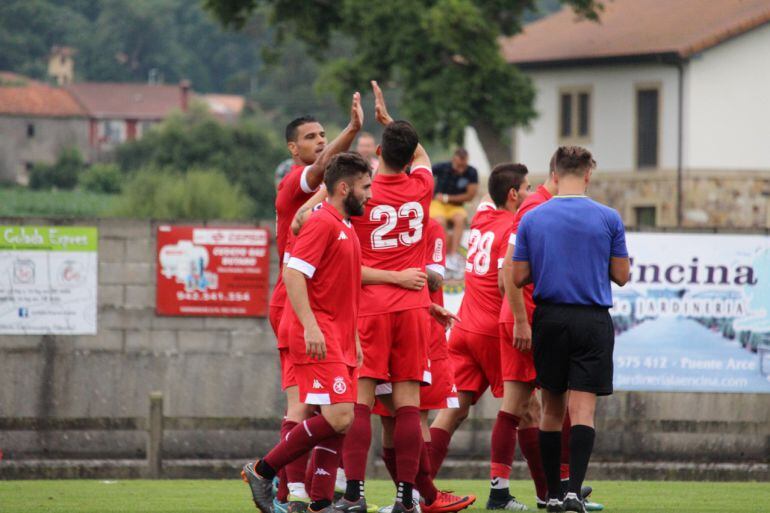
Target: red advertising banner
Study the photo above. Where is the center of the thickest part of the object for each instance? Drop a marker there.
(217, 272)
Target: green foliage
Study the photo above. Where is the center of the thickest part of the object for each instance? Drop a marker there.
(198, 194)
(246, 153)
(21, 201)
(443, 54)
(105, 178)
(63, 174)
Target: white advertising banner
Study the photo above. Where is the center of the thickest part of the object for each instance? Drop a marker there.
(48, 280)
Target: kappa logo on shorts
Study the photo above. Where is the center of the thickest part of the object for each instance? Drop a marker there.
(342, 236)
(317, 384)
(321, 472)
(339, 386)
(454, 389)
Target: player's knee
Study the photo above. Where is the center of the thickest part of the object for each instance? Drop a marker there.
(342, 420)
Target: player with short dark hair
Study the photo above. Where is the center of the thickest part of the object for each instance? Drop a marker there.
(323, 283)
(474, 346)
(572, 332)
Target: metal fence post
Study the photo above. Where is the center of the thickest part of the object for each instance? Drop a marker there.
(155, 435)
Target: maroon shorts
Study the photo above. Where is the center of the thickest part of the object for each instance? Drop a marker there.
(517, 365)
(326, 383)
(476, 361)
(395, 345)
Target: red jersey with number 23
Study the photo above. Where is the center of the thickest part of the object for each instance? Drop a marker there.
(540, 196)
(486, 248)
(293, 192)
(392, 235)
(328, 253)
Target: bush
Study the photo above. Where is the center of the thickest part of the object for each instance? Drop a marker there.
(63, 174)
(105, 178)
(199, 194)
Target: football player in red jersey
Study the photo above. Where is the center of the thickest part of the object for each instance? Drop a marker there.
(323, 283)
(474, 345)
(393, 325)
(306, 141)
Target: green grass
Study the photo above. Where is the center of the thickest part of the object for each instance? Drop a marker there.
(20, 201)
(233, 496)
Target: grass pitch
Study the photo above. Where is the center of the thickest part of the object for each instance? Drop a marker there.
(233, 496)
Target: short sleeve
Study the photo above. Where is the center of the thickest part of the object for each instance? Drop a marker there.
(436, 250)
(472, 175)
(521, 252)
(618, 248)
(310, 245)
(424, 176)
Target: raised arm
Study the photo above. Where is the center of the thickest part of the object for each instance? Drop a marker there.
(421, 158)
(315, 174)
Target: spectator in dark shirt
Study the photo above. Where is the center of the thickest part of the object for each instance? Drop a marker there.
(456, 183)
(571, 248)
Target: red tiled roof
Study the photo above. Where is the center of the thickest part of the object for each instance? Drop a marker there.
(635, 28)
(22, 96)
(126, 100)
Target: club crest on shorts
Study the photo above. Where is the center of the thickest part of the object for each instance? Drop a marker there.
(339, 386)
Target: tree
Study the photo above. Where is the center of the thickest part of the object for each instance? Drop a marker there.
(443, 54)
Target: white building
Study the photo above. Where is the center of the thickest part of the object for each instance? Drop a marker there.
(658, 89)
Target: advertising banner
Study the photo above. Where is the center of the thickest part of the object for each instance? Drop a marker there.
(48, 280)
(204, 271)
(695, 315)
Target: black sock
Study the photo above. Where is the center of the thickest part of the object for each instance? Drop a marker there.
(264, 470)
(320, 504)
(581, 444)
(499, 494)
(404, 494)
(354, 490)
(564, 487)
(550, 452)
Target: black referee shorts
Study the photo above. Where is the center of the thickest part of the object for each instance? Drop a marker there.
(572, 348)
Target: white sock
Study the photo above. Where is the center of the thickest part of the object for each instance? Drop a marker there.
(341, 483)
(498, 483)
(298, 490)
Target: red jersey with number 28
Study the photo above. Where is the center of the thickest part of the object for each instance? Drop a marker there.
(392, 235)
(435, 260)
(293, 192)
(327, 252)
(540, 196)
(486, 248)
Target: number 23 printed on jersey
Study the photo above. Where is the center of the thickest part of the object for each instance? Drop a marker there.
(382, 236)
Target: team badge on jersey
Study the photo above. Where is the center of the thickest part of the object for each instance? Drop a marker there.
(339, 386)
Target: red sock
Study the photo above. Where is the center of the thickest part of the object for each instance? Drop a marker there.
(326, 459)
(565, 431)
(283, 482)
(299, 441)
(423, 482)
(503, 445)
(439, 446)
(529, 441)
(389, 457)
(407, 440)
(309, 469)
(357, 442)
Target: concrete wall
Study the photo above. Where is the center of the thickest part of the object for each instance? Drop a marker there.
(727, 107)
(210, 367)
(51, 136)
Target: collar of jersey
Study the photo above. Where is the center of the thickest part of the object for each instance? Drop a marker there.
(570, 196)
(379, 177)
(333, 211)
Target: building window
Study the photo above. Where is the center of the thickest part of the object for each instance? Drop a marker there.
(30, 130)
(647, 127)
(575, 115)
(112, 131)
(645, 217)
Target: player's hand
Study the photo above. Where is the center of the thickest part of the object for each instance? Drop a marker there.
(380, 109)
(522, 336)
(315, 344)
(413, 278)
(356, 113)
(359, 352)
(444, 317)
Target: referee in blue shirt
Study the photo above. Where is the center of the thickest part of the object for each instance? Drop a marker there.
(570, 248)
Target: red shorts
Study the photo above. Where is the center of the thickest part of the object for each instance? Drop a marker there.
(516, 365)
(288, 377)
(395, 345)
(326, 383)
(476, 361)
(440, 394)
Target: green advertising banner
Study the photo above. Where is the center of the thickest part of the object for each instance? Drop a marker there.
(48, 238)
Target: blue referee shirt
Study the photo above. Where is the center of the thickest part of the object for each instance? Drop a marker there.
(568, 242)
